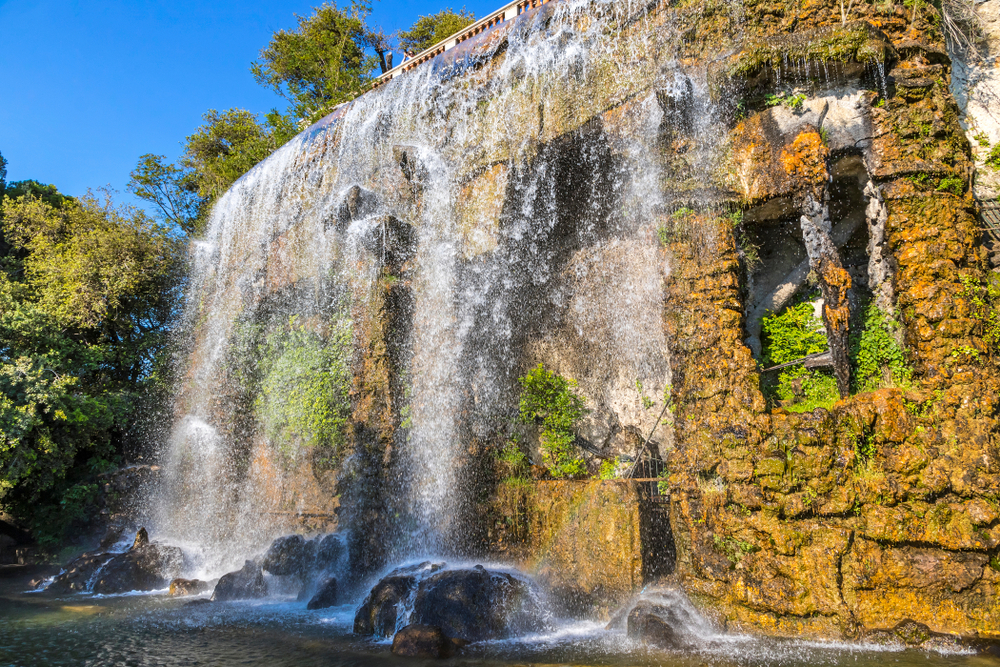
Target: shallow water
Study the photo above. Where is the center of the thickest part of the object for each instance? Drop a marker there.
(155, 629)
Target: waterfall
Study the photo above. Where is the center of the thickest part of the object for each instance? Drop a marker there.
(534, 211)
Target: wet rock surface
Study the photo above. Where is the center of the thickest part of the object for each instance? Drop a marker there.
(422, 641)
(147, 567)
(661, 625)
(77, 575)
(467, 604)
(244, 584)
(478, 604)
(294, 555)
(379, 613)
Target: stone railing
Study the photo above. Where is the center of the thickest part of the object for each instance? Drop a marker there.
(505, 13)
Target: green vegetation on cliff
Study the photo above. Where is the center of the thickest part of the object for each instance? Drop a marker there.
(305, 379)
(879, 360)
(791, 335)
(550, 401)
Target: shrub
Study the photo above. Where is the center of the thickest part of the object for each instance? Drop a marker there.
(879, 360)
(304, 388)
(550, 401)
(791, 335)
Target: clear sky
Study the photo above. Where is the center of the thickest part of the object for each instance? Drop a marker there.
(88, 86)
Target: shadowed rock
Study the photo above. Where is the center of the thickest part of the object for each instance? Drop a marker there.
(289, 555)
(422, 641)
(326, 596)
(665, 626)
(78, 573)
(244, 584)
(143, 568)
(378, 613)
(469, 604)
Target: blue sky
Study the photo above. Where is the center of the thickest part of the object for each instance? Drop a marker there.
(88, 86)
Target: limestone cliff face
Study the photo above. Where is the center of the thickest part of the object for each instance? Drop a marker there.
(583, 187)
(884, 507)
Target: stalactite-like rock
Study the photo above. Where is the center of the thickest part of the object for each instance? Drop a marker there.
(805, 160)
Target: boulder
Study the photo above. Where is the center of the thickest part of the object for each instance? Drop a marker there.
(289, 555)
(326, 596)
(377, 614)
(467, 605)
(330, 551)
(188, 586)
(422, 641)
(142, 568)
(243, 584)
(664, 626)
(78, 573)
(141, 538)
(477, 604)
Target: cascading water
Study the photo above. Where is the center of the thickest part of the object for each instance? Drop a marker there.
(535, 220)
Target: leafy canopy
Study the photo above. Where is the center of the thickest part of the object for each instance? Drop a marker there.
(319, 64)
(173, 190)
(429, 30)
(87, 289)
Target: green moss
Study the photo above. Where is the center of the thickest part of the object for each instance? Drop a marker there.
(305, 379)
(952, 184)
(983, 298)
(513, 463)
(855, 42)
(550, 401)
(733, 549)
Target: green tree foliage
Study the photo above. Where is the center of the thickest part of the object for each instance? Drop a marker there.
(550, 401)
(429, 30)
(227, 146)
(86, 291)
(171, 189)
(319, 64)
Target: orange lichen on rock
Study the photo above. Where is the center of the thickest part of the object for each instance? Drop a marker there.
(804, 160)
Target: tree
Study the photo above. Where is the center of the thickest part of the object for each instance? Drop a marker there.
(87, 291)
(173, 190)
(227, 146)
(319, 64)
(429, 30)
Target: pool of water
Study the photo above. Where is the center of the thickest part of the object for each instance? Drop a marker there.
(155, 629)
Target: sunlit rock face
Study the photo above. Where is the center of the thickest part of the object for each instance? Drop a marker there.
(619, 191)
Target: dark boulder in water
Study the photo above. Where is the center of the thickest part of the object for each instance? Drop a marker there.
(477, 604)
(289, 555)
(78, 573)
(142, 568)
(244, 584)
(469, 604)
(326, 596)
(422, 641)
(665, 626)
(377, 615)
